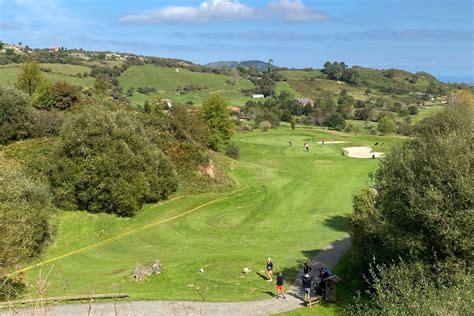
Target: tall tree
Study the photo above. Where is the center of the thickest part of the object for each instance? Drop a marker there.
(215, 114)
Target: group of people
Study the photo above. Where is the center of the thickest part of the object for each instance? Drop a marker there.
(307, 280)
(280, 279)
(305, 145)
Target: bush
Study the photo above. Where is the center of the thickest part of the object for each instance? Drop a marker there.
(233, 151)
(412, 110)
(25, 208)
(16, 115)
(64, 95)
(265, 125)
(417, 289)
(47, 123)
(386, 125)
(405, 129)
(104, 162)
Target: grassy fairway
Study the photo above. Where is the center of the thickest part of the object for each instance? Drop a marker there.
(298, 205)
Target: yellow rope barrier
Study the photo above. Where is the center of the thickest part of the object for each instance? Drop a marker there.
(133, 231)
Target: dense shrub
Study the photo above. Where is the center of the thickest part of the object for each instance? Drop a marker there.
(104, 162)
(412, 110)
(58, 95)
(182, 136)
(16, 115)
(417, 289)
(265, 125)
(47, 123)
(233, 151)
(25, 208)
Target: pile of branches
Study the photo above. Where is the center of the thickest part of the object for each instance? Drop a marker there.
(140, 272)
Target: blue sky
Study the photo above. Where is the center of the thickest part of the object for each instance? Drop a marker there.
(430, 35)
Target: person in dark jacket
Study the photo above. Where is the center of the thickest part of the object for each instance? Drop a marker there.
(306, 268)
(279, 285)
(307, 280)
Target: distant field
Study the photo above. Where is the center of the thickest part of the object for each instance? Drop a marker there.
(167, 80)
(426, 111)
(310, 84)
(60, 72)
(284, 86)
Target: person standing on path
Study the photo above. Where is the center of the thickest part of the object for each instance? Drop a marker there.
(306, 269)
(307, 280)
(269, 269)
(290, 143)
(279, 285)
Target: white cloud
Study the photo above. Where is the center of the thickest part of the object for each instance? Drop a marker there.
(225, 10)
(214, 10)
(293, 10)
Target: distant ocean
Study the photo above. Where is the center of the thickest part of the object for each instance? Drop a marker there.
(457, 79)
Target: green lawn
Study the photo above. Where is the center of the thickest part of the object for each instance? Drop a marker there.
(60, 72)
(284, 86)
(167, 80)
(426, 111)
(299, 203)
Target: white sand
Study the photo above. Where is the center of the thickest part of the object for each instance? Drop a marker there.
(360, 152)
(332, 142)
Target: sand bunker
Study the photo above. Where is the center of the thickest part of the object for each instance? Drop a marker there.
(361, 152)
(332, 142)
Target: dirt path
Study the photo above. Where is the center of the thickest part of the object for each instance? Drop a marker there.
(329, 257)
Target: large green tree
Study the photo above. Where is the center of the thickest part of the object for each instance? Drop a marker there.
(16, 115)
(215, 114)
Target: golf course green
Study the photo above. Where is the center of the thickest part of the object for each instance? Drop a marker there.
(286, 204)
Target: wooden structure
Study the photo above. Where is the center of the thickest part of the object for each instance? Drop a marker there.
(330, 290)
(313, 300)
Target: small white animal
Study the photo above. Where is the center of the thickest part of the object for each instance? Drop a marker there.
(201, 270)
(247, 270)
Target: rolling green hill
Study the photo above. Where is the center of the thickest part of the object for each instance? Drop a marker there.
(168, 80)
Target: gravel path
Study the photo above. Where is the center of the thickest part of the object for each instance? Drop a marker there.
(329, 257)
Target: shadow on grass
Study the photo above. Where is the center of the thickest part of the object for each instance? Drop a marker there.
(269, 293)
(263, 276)
(339, 223)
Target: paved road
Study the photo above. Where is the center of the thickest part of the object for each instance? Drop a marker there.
(329, 257)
